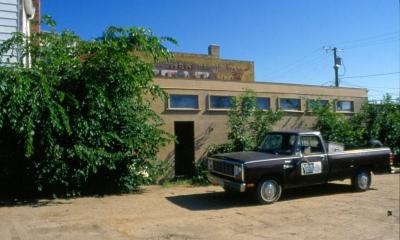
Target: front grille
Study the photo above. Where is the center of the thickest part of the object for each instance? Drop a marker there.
(222, 167)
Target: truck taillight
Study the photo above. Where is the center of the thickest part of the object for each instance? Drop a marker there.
(391, 158)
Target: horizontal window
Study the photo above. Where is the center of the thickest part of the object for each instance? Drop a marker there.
(220, 102)
(263, 103)
(290, 104)
(313, 102)
(177, 101)
(344, 106)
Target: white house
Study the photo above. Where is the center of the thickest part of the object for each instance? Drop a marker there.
(15, 16)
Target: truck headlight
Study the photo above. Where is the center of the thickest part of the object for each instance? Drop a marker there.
(238, 172)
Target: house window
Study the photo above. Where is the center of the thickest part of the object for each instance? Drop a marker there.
(177, 101)
(344, 106)
(313, 102)
(220, 102)
(291, 104)
(263, 103)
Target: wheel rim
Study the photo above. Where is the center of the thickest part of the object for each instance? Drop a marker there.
(363, 181)
(269, 191)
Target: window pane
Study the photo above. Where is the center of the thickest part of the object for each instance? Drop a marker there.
(312, 102)
(222, 102)
(183, 101)
(290, 104)
(345, 106)
(311, 144)
(281, 143)
(263, 103)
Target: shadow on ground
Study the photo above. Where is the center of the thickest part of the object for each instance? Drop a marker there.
(222, 200)
(30, 202)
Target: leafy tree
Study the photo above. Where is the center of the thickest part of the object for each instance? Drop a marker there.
(374, 121)
(247, 123)
(336, 127)
(81, 111)
(381, 121)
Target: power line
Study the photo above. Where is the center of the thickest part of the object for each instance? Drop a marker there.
(297, 63)
(372, 75)
(370, 38)
(374, 43)
(324, 83)
(392, 91)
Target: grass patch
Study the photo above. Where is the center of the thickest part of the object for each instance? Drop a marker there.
(176, 182)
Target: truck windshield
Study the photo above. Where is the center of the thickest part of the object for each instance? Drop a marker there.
(278, 143)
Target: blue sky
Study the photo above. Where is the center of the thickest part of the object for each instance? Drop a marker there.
(283, 38)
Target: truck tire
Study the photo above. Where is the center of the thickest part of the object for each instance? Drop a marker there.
(268, 191)
(362, 180)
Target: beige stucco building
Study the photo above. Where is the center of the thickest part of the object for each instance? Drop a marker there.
(200, 88)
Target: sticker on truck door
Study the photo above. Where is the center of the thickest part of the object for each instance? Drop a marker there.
(311, 168)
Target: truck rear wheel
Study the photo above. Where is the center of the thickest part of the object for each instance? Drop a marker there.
(268, 191)
(362, 180)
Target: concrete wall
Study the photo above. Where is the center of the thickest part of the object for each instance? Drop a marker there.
(211, 126)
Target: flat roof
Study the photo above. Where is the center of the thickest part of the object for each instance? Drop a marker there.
(260, 87)
(203, 55)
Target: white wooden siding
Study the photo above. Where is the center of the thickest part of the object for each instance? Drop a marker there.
(8, 16)
(8, 22)
(9, 1)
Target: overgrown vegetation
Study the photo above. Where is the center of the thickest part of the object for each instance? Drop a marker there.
(374, 121)
(382, 122)
(80, 114)
(247, 123)
(336, 127)
(247, 127)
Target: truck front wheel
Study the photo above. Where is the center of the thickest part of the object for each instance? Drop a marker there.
(268, 191)
(362, 180)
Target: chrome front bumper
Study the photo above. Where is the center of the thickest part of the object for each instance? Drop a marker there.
(240, 187)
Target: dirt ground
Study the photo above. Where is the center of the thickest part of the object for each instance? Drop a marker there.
(185, 212)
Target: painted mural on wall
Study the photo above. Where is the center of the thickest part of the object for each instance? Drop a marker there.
(192, 66)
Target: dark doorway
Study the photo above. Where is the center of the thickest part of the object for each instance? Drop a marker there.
(184, 149)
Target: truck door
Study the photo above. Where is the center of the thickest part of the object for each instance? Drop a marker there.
(311, 167)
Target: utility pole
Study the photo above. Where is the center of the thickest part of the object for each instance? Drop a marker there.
(336, 67)
(337, 62)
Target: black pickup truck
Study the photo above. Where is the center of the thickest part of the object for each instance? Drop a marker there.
(289, 159)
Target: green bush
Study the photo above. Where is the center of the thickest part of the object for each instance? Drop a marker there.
(374, 121)
(201, 167)
(81, 112)
(382, 122)
(247, 124)
(337, 127)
